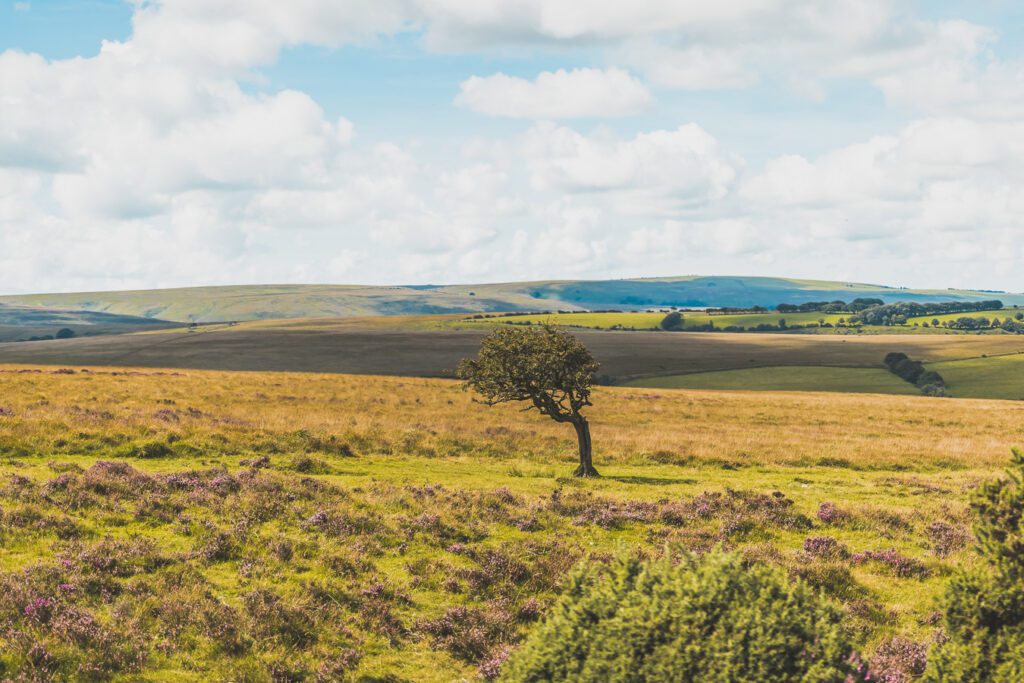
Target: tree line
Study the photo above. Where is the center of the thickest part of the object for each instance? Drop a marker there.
(898, 313)
(837, 306)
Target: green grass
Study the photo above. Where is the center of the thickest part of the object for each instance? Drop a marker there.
(1002, 314)
(651, 321)
(992, 377)
(477, 501)
(849, 380)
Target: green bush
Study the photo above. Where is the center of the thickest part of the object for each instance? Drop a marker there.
(709, 620)
(984, 609)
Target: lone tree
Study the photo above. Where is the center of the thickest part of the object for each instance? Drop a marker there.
(550, 369)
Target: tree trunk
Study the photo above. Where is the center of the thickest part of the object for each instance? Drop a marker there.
(586, 468)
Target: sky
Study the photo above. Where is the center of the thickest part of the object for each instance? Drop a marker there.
(163, 143)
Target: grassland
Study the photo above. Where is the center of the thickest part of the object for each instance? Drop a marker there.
(996, 377)
(999, 377)
(650, 321)
(844, 380)
(163, 525)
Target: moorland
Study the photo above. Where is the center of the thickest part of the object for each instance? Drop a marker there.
(198, 525)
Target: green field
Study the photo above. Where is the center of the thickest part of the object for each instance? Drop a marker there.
(999, 377)
(650, 321)
(1002, 314)
(992, 377)
(848, 380)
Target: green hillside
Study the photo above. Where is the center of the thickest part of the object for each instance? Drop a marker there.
(260, 302)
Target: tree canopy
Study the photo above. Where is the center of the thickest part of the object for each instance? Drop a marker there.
(549, 369)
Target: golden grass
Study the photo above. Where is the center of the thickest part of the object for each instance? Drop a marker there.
(392, 413)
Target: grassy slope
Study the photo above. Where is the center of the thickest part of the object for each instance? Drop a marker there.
(22, 322)
(846, 380)
(996, 377)
(207, 304)
(430, 468)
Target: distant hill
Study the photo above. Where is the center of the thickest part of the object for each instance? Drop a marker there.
(19, 322)
(260, 302)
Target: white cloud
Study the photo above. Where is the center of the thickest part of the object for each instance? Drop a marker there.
(163, 161)
(682, 167)
(559, 94)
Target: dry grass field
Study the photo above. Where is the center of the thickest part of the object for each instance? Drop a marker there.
(279, 526)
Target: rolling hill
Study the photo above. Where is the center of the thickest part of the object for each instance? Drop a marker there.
(263, 302)
(25, 322)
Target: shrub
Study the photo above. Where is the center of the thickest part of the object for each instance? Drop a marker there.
(710, 619)
(984, 609)
(64, 333)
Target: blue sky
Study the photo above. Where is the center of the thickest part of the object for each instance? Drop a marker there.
(425, 141)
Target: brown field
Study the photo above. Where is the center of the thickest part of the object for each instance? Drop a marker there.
(423, 347)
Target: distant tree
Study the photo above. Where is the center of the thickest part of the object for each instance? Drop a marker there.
(935, 322)
(672, 321)
(64, 333)
(1019, 316)
(550, 369)
(782, 323)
